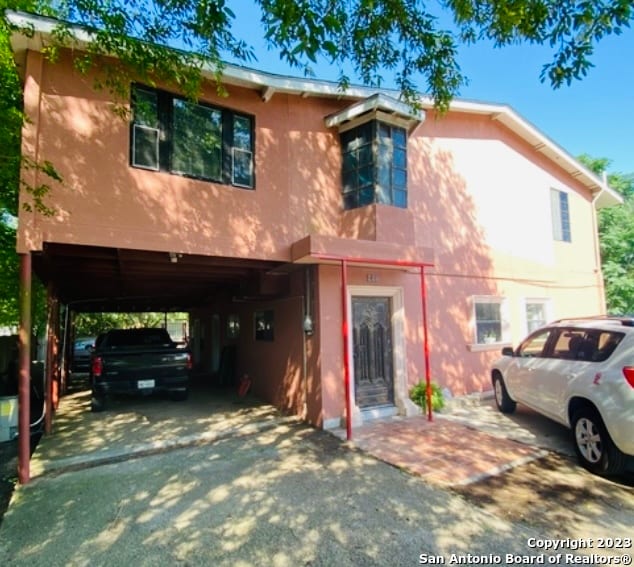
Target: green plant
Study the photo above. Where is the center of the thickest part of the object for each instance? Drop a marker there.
(418, 394)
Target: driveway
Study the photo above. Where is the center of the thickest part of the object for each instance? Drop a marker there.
(289, 495)
(267, 489)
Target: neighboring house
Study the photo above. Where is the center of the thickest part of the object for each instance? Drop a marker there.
(280, 212)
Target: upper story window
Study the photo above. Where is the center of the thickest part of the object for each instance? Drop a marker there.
(374, 165)
(170, 133)
(373, 133)
(560, 215)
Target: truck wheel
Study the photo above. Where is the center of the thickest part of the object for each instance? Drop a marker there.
(97, 402)
(179, 395)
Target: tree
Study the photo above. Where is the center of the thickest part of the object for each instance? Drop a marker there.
(400, 37)
(616, 237)
(403, 37)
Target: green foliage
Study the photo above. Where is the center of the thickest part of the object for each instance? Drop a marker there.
(616, 237)
(91, 324)
(9, 277)
(11, 113)
(418, 394)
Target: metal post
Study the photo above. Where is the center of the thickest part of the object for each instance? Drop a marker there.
(24, 396)
(423, 289)
(346, 357)
(52, 358)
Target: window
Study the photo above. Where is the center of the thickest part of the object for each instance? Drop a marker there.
(561, 215)
(233, 326)
(169, 133)
(489, 320)
(536, 312)
(374, 165)
(588, 345)
(264, 325)
(535, 345)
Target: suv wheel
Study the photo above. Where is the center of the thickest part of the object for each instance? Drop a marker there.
(502, 399)
(593, 445)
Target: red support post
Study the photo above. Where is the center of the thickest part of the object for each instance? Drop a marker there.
(346, 357)
(24, 381)
(423, 289)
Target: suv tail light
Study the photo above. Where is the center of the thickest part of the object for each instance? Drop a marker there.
(188, 362)
(628, 372)
(97, 366)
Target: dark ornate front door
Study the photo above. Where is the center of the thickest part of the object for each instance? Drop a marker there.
(372, 351)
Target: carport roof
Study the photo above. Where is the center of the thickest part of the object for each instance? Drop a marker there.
(93, 278)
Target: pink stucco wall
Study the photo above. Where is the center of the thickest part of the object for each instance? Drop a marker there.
(478, 200)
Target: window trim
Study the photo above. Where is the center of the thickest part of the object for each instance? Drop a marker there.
(548, 310)
(133, 147)
(375, 142)
(504, 323)
(560, 214)
(165, 148)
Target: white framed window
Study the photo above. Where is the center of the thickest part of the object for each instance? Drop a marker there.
(536, 313)
(560, 212)
(489, 319)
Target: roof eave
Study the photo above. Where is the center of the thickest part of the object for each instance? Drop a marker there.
(269, 83)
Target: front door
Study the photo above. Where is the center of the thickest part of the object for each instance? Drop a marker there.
(372, 351)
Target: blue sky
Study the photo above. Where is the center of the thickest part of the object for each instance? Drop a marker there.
(593, 116)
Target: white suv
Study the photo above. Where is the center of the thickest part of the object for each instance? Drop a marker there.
(578, 372)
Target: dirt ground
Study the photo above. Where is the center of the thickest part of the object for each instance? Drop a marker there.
(553, 494)
(8, 473)
(556, 495)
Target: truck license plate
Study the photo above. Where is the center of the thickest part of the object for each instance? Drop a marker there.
(145, 384)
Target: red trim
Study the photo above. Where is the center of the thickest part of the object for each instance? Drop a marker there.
(346, 354)
(423, 293)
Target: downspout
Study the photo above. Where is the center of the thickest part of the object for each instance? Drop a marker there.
(49, 374)
(345, 332)
(24, 380)
(423, 289)
(597, 249)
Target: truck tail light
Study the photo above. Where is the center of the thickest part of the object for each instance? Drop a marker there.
(188, 361)
(97, 366)
(628, 372)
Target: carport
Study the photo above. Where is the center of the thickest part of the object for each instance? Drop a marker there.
(100, 279)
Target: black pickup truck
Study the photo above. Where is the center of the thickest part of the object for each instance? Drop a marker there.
(138, 361)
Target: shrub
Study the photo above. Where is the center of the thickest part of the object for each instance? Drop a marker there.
(418, 394)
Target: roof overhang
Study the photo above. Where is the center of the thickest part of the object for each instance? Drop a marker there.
(378, 105)
(40, 30)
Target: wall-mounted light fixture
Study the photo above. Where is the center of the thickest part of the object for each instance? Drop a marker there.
(307, 325)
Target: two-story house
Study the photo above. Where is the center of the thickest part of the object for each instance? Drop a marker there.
(336, 247)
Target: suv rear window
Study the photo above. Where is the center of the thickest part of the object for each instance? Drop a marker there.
(591, 345)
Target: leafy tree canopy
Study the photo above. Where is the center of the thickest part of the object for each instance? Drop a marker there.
(402, 37)
(616, 237)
